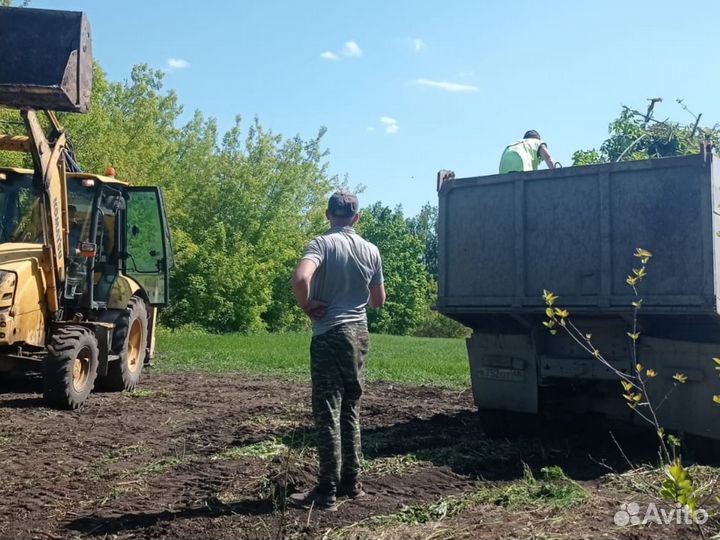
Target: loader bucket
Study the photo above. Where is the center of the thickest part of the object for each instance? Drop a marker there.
(45, 60)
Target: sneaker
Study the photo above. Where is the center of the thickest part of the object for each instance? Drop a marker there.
(313, 499)
(351, 491)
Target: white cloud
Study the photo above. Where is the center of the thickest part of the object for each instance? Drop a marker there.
(177, 63)
(351, 49)
(391, 125)
(328, 55)
(418, 44)
(447, 86)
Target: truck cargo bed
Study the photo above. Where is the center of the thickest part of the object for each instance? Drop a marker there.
(505, 238)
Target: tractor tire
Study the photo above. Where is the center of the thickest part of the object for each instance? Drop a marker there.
(70, 367)
(130, 343)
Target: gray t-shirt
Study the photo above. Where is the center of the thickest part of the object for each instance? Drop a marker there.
(347, 266)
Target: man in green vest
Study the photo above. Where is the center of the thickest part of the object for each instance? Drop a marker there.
(525, 155)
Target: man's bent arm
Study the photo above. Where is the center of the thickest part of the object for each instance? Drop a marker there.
(545, 154)
(377, 295)
(301, 282)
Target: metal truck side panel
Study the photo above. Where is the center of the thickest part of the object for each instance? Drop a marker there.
(505, 238)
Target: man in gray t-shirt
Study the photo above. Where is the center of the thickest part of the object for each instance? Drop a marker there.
(337, 277)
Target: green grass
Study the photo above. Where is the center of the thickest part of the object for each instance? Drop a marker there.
(413, 360)
(554, 490)
(262, 450)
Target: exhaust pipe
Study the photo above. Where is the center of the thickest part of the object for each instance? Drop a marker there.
(46, 60)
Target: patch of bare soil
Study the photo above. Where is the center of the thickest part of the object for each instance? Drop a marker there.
(205, 456)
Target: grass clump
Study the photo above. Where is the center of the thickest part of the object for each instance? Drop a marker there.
(396, 465)
(554, 490)
(436, 511)
(156, 467)
(141, 393)
(261, 450)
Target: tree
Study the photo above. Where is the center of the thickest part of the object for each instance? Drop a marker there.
(406, 279)
(635, 135)
(424, 226)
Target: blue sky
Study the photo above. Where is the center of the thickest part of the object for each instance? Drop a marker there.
(408, 87)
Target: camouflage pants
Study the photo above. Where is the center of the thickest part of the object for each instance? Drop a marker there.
(337, 358)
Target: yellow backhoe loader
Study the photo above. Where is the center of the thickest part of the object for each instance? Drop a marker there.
(84, 258)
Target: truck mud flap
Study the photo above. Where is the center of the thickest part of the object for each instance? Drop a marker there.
(503, 371)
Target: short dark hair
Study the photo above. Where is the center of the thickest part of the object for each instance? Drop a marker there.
(532, 134)
(343, 204)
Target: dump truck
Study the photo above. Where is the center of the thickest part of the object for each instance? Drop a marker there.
(84, 258)
(504, 239)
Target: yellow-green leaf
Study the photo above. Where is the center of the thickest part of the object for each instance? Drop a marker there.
(637, 304)
(550, 312)
(627, 385)
(549, 297)
(651, 373)
(588, 336)
(632, 281)
(634, 336)
(680, 377)
(639, 367)
(563, 313)
(549, 324)
(716, 399)
(643, 254)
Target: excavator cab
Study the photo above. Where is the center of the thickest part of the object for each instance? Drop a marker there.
(84, 258)
(113, 230)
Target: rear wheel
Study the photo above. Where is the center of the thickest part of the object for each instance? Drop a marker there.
(130, 343)
(70, 368)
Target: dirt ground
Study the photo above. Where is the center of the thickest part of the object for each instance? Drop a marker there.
(205, 456)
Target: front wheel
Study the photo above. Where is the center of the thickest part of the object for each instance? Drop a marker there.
(70, 368)
(130, 343)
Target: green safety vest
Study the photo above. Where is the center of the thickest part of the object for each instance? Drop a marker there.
(523, 155)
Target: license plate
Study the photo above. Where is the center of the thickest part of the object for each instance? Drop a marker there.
(501, 374)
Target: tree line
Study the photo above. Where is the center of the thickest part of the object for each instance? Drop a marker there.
(242, 207)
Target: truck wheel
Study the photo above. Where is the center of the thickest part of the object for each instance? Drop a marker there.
(70, 368)
(129, 342)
